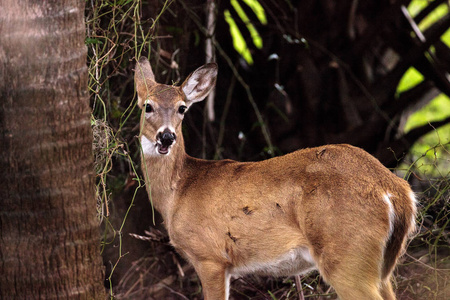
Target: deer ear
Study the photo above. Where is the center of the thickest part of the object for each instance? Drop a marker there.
(198, 85)
(144, 79)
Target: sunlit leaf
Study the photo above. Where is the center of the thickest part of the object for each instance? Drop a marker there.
(416, 6)
(257, 40)
(258, 10)
(411, 78)
(437, 110)
(445, 38)
(239, 43)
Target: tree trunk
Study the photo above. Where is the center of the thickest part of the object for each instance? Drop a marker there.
(49, 238)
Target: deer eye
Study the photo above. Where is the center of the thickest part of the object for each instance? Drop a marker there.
(182, 109)
(148, 108)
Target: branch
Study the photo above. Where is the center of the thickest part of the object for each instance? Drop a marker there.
(412, 97)
(431, 68)
(399, 147)
(443, 54)
(434, 71)
(413, 24)
(210, 52)
(427, 10)
(413, 135)
(432, 35)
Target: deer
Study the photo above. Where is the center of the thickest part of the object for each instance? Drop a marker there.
(334, 208)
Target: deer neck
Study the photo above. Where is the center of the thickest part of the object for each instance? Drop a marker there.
(162, 174)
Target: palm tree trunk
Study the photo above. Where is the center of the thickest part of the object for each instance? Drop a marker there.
(49, 238)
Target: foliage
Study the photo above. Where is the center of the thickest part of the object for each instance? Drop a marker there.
(436, 162)
(416, 6)
(109, 53)
(239, 42)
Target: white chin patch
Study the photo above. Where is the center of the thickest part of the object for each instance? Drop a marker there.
(148, 148)
(153, 149)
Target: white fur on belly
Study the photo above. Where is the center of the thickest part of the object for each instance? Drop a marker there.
(294, 262)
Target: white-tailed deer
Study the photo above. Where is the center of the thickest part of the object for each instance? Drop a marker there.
(335, 209)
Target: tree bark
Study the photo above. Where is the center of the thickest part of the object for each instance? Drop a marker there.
(49, 238)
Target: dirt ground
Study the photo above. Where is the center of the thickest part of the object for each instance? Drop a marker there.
(424, 276)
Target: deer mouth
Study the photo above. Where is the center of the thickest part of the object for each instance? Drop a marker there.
(163, 149)
(165, 141)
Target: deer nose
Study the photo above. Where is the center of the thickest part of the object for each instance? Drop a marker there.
(167, 137)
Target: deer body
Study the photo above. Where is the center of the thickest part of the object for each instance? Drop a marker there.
(334, 208)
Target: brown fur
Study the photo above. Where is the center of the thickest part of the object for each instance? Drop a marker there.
(317, 208)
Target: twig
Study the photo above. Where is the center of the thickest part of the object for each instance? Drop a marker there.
(425, 265)
(298, 286)
(210, 52)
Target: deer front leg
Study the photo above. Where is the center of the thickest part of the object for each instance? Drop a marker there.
(215, 280)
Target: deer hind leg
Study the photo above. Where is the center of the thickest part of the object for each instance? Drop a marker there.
(355, 287)
(354, 275)
(215, 280)
(387, 292)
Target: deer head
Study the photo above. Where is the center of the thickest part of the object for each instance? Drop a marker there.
(163, 106)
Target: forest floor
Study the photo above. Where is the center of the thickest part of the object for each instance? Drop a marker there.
(420, 275)
(424, 276)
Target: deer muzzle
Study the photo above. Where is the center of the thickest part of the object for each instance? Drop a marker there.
(165, 140)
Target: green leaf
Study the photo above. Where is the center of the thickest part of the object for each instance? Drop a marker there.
(410, 79)
(90, 41)
(437, 110)
(418, 5)
(258, 10)
(257, 40)
(239, 43)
